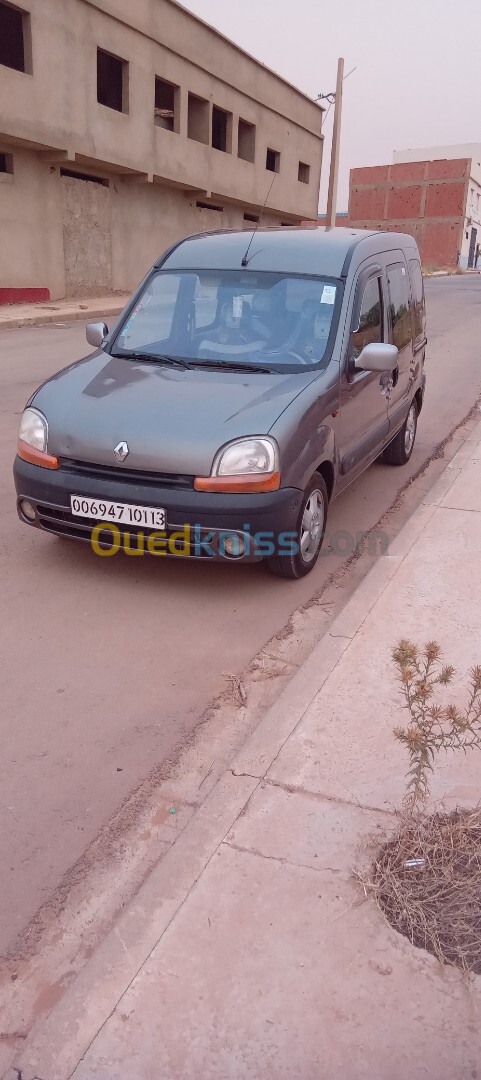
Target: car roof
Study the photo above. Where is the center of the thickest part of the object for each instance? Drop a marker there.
(307, 250)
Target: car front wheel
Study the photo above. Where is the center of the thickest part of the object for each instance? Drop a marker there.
(400, 449)
(311, 527)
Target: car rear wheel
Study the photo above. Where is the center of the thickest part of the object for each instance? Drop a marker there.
(310, 533)
(400, 449)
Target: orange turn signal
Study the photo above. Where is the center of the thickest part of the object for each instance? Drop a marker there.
(36, 457)
(247, 482)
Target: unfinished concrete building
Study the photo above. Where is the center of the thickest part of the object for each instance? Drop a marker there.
(126, 126)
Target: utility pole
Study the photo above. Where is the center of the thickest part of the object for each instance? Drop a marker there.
(336, 138)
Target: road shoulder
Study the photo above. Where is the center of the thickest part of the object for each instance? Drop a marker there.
(14, 316)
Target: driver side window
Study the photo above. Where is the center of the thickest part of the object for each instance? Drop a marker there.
(369, 326)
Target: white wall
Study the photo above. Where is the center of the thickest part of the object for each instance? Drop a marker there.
(473, 215)
(437, 153)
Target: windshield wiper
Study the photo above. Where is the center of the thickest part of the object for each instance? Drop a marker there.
(229, 365)
(179, 361)
(160, 358)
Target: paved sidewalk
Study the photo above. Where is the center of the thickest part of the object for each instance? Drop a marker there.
(250, 952)
(16, 315)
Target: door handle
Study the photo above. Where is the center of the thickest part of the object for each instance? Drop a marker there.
(395, 376)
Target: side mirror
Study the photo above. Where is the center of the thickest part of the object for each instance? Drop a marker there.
(377, 356)
(96, 332)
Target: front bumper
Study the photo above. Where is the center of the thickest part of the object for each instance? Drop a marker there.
(205, 513)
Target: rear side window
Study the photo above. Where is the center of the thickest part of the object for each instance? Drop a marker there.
(369, 326)
(397, 277)
(418, 298)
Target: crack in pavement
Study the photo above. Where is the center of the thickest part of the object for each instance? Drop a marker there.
(318, 796)
(281, 859)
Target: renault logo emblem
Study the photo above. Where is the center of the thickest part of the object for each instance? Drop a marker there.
(121, 451)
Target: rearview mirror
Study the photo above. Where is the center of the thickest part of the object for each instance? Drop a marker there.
(96, 332)
(377, 356)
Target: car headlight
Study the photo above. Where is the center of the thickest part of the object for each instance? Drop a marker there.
(32, 440)
(247, 456)
(249, 464)
(34, 429)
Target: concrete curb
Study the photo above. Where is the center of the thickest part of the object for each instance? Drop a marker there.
(450, 273)
(58, 1042)
(68, 315)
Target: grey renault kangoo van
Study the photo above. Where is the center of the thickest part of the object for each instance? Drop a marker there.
(246, 384)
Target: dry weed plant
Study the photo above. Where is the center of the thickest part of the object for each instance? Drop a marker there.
(427, 880)
(432, 727)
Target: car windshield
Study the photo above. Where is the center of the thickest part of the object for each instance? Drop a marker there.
(233, 317)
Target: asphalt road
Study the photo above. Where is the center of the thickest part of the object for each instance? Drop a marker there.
(107, 664)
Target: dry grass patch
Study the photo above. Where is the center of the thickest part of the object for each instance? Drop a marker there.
(427, 882)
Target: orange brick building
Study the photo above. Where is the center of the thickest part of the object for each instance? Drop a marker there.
(436, 201)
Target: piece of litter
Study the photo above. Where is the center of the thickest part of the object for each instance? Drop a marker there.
(414, 862)
(172, 810)
(382, 969)
(237, 687)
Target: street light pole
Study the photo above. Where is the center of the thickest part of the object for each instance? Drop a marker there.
(336, 138)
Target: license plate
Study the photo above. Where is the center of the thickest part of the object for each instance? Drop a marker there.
(123, 513)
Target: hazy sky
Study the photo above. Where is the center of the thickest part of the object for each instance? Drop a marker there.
(417, 78)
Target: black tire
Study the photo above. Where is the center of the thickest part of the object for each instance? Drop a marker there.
(297, 566)
(400, 449)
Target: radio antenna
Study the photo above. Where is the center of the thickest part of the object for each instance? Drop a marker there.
(245, 260)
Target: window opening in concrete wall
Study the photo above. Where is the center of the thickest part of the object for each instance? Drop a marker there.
(15, 38)
(84, 176)
(197, 119)
(112, 81)
(209, 206)
(303, 172)
(166, 107)
(221, 130)
(273, 160)
(6, 163)
(246, 147)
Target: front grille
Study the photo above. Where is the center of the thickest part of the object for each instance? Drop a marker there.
(133, 476)
(60, 521)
